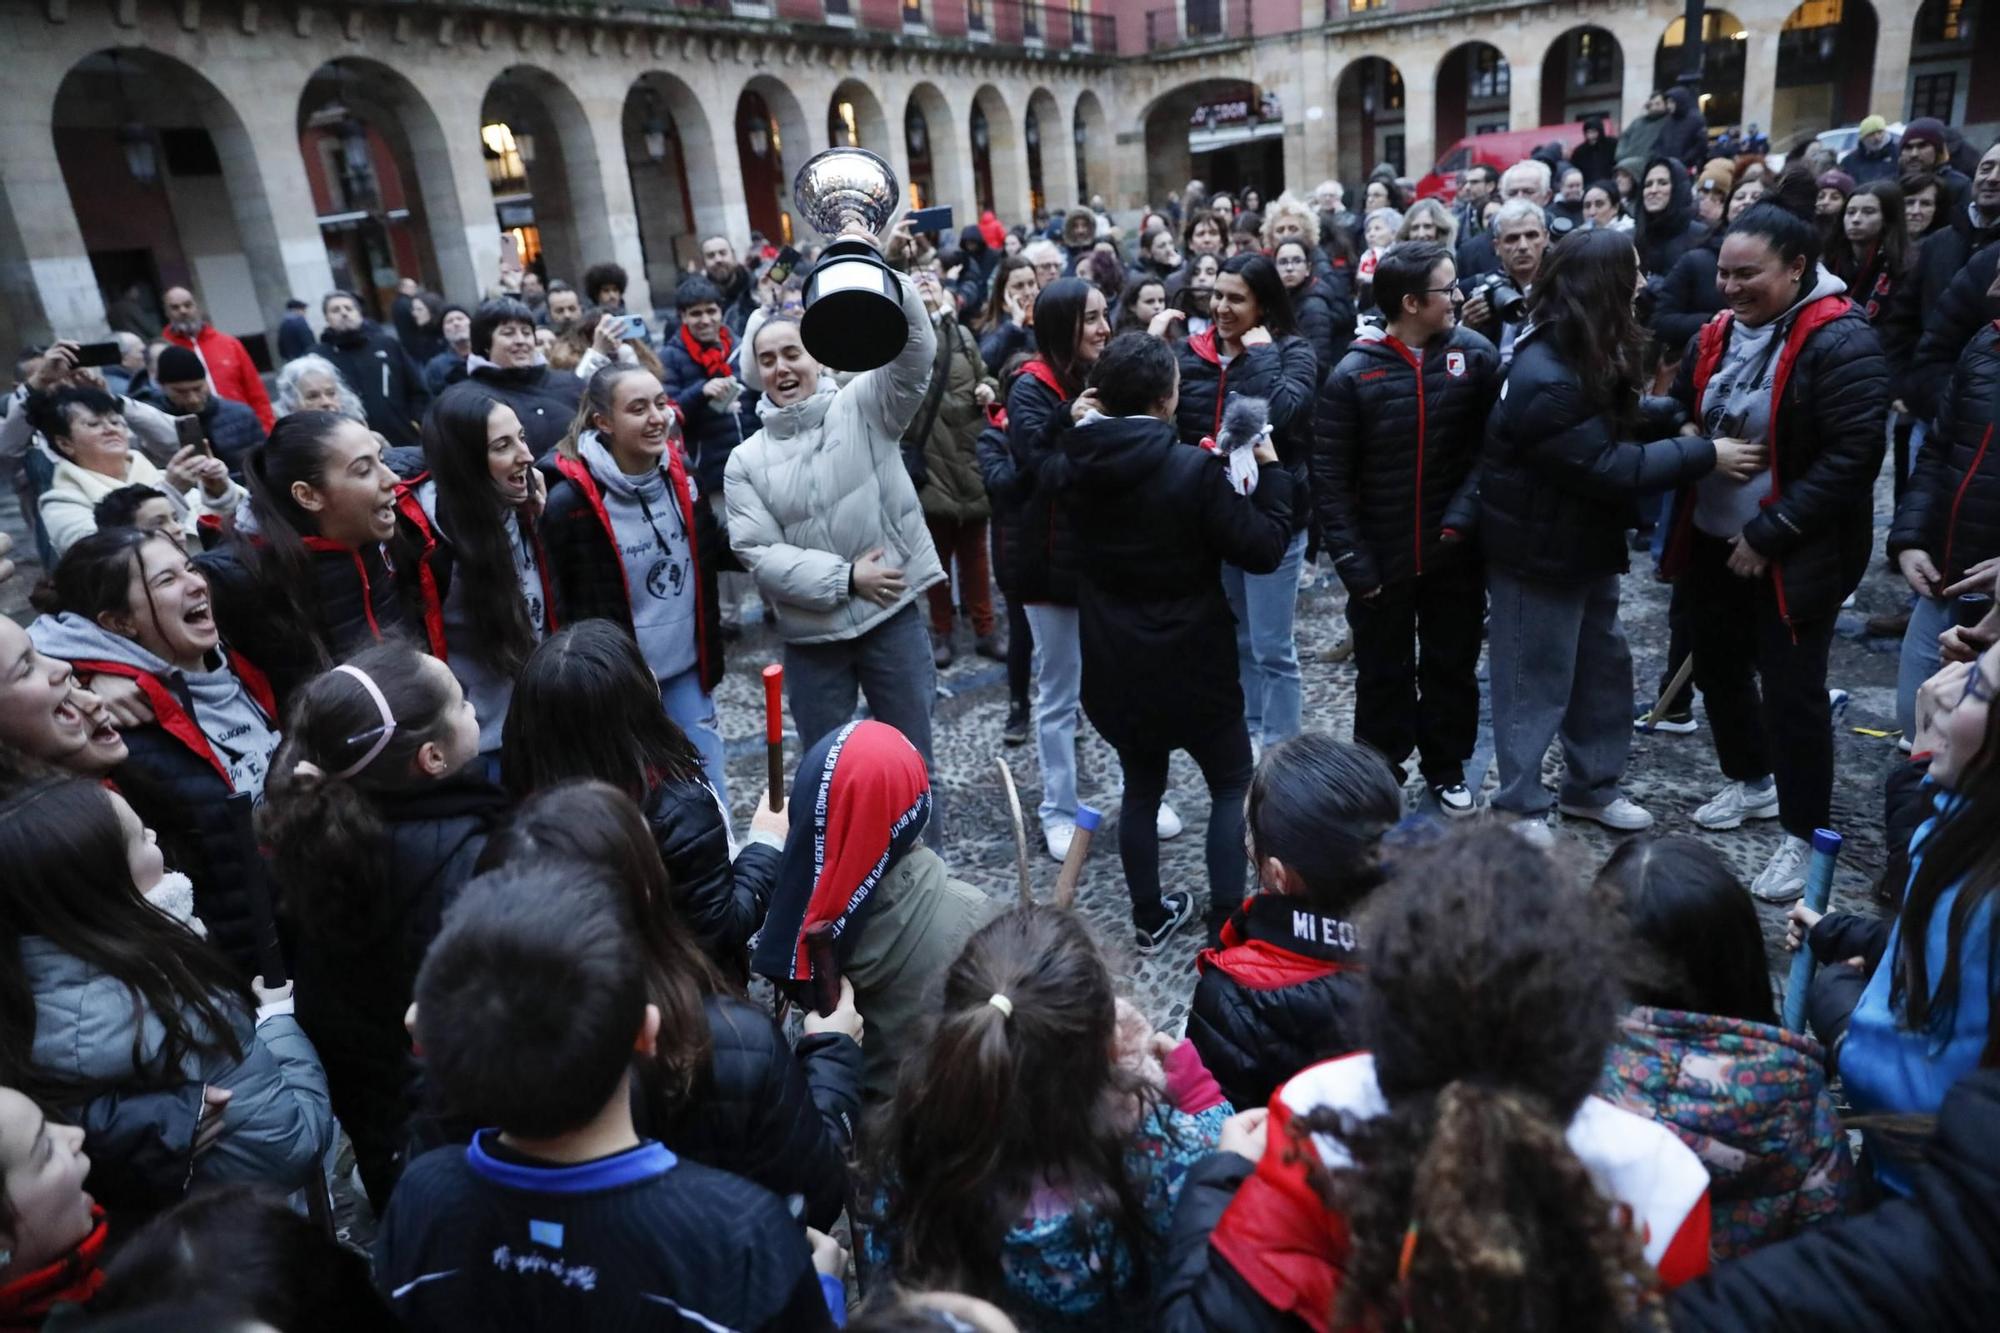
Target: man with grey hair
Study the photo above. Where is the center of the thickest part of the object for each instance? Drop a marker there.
(1520, 238)
(1526, 179)
(1047, 258)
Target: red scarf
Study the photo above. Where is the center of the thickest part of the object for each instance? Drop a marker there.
(714, 360)
(72, 1279)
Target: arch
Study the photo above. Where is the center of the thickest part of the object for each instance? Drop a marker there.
(163, 178)
(1723, 39)
(1826, 60)
(1088, 131)
(1048, 148)
(1945, 48)
(1369, 118)
(930, 134)
(1583, 74)
(1217, 131)
(1474, 86)
(999, 167)
(676, 185)
(772, 142)
(548, 188)
(854, 119)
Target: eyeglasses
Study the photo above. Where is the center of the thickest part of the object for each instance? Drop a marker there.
(1451, 289)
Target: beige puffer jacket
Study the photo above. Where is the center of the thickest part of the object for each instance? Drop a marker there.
(823, 484)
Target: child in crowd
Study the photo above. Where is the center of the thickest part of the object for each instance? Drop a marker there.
(1039, 1134)
(119, 1016)
(723, 1088)
(51, 1232)
(1701, 1050)
(530, 1008)
(374, 817)
(1459, 1175)
(1285, 989)
(586, 706)
(856, 860)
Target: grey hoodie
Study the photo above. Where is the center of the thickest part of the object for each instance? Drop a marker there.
(1737, 404)
(489, 690)
(657, 549)
(237, 729)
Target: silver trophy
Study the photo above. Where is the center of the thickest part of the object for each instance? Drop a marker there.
(853, 305)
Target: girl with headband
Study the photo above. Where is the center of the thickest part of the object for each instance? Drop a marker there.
(374, 821)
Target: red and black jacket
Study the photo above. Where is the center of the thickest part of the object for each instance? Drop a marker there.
(1284, 991)
(1284, 373)
(1395, 438)
(1951, 508)
(1041, 549)
(587, 576)
(1828, 399)
(428, 561)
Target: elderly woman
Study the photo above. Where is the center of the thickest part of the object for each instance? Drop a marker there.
(94, 457)
(1429, 220)
(1290, 220)
(1379, 230)
(312, 383)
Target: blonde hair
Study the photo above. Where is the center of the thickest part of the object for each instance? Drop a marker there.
(1447, 225)
(1285, 205)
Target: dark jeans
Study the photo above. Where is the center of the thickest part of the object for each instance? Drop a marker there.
(1020, 653)
(1739, 642)
(1224, 759)
(1677, 651)
(1416, 662)
(965, 544)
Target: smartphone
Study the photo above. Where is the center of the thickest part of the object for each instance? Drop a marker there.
(931, 219)
(98, 354)
(635, 327)
(188, 431)
(783, 266)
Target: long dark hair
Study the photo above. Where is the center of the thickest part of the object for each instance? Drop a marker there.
(1274, 303)
(1891, 253)
(587, 706)
(69, 882)
(994, 313)
(1058, 324)
(1470, 1156)
(992, 1103)
(1128, 317)
(1583, 298)
(471, 514)
(275, 552)
(595, 823)
(1695, 944)
(324, 830)
(1651, 229)
(1961, 852)
(1321, 806)
(95, 575)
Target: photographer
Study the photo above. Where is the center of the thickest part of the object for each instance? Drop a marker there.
(1496, 302)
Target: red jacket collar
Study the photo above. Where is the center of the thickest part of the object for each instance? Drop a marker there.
(173, 717)
(1203, 345)
(1044, 372)
(74, 1278)
(1274, 941)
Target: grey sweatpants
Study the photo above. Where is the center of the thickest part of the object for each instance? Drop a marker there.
(1558, 665)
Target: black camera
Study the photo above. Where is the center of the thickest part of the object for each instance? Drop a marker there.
(1503, 298)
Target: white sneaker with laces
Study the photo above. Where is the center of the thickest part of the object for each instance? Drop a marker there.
(1058, 836)
(1536, 832)
(1167, 824)
(1455, 800)
(1783, 878)
(1735, 803)
(1622, 815)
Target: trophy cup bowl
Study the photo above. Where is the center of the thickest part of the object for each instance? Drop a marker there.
(853, 303)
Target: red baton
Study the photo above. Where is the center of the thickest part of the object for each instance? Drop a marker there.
(774, 732)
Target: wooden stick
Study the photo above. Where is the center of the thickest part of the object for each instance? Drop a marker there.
(1674, 687)
(1020, 829)
(1087, 821)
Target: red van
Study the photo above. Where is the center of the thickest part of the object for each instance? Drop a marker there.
(1499, 151)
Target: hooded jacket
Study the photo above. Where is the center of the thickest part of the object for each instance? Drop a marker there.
(1596, 160)
(1665, 236)
(1951, 508)
(1641, 140)
(1685, 134)
(230, 368)
(1941, 304)
(1283, 373)
(1396, 437)
(711, 432)
(192, 772)
(952, 490)
(1154, 521)
(390, 385)
(544, 398)
(1686, 297)
(1042, 547)
(1751, 1100)
(823, 484)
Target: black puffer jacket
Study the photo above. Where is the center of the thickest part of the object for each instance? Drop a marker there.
(1930, 1261)
(722, 902)
(784, 1118)
(352, 598)
(543, 397)
(1664, 237)
(1007, 491)
(1284, 991)
(1155, 520)
(1324, 310)
(1940, 306)
(1817, 524)
(1283, 373)
(710, 433)
(1199, 1292)
(390, 385)
(1687, 297)
(1951, 508)
(1557, 486)
(1038, 427)
(1394, 440)
(355, 984)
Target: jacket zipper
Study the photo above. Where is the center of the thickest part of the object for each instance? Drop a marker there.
(1417, 528)
(1958, 498)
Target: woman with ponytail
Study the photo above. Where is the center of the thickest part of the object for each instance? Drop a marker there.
(1459, 1174)
(1040, 1134)
(374, 822)
(304, 581)
(470, 551)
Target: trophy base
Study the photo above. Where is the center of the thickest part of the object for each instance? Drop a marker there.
(854, 316)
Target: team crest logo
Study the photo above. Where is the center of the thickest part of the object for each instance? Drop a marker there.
(1454, 364)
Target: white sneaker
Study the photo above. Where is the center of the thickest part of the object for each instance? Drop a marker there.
(1058, 836)
(1536, 832)
(1167, 824)
(1784, 877)
(1735, 803)
(1455, 800)
(1623, 815)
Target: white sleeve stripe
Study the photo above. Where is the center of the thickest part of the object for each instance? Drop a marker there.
(419, 1281)
(691, 1316)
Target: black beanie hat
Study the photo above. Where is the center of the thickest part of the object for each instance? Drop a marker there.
(180, 366)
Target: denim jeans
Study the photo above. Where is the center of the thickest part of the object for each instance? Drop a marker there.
(1267, 652)
(1058, 694)
(891, 664)
(1559, 665)
(693, 710)
(1929, 617)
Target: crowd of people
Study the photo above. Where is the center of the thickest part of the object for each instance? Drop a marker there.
(365, 812)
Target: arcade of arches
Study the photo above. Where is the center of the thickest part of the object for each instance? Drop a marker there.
(259, 152)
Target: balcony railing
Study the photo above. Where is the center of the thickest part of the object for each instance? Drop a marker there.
(1047, 24)
(1203, 21)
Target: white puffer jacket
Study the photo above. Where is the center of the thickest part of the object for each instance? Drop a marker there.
(823, 484)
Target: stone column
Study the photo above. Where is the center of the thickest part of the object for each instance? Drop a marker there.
(1419, 125)
(277, 224)
(1316, 142)
(607, 222)
(46, 281)
(1058, 157)
(1524, 80)
(1760, 75)
(1639, 77)
(1895, 29)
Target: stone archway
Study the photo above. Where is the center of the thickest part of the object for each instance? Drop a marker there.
(1583, 74)
(548, 189)
(937, 167)
(1369, 118)
(676, 186)
(1826, 60)
(999, 165)
(1090, 134)
(772, 142)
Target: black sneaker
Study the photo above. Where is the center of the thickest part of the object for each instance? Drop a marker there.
(1179, 908)
(1674, 724)
(1016, 731)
